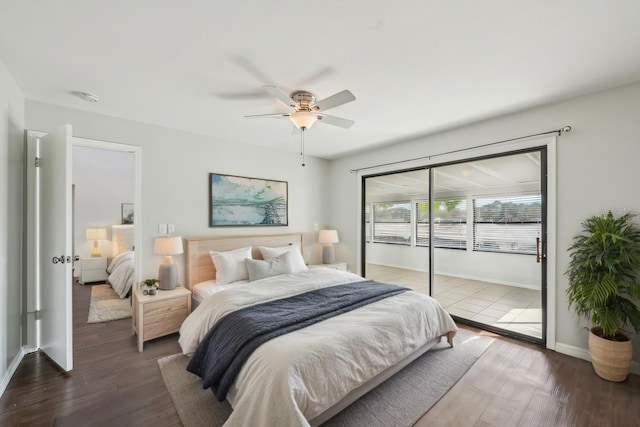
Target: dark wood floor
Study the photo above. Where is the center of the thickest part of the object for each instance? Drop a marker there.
(512, 384)
(111, 384)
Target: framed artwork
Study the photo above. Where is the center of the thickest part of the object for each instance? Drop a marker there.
(127, 213)
(242, 201)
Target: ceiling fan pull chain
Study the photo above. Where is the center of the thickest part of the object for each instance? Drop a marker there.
(302, 147)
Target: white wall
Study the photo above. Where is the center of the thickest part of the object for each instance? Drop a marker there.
(103, 180)
(175, 173)
(11, 214)
(597, 170)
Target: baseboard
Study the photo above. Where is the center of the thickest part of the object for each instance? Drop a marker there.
(583, 353)
(11, 370)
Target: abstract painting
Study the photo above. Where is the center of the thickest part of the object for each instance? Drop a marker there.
(243, 201)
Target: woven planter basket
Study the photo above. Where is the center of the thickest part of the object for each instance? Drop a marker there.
(611, 359)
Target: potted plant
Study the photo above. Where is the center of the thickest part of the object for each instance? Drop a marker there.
(603, 287)
(150, 285)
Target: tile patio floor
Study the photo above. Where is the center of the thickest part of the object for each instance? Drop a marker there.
(507, 307)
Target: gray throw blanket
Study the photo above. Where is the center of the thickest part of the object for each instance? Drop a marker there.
(229, 343)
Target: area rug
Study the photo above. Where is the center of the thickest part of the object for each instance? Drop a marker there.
(399, 401)
(105, 305)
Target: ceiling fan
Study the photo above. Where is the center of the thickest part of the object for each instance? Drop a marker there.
(306, 110)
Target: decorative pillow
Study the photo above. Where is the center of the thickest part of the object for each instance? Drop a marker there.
(297, 261)
(259, 269)
(230, 265)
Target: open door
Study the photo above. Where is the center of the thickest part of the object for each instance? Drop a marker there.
(54, 246)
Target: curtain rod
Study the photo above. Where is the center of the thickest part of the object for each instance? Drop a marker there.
(559, 132)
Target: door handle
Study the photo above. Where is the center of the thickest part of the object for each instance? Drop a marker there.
(62, 259)
(58, 259)
(538, 250)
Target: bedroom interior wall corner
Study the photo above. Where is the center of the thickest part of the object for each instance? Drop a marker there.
(12, 120)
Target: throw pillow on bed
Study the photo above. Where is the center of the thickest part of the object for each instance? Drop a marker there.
(230, 266)
(259, 269)
(297, 261)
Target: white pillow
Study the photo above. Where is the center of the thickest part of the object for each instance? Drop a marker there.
(230, 265)
(259, 269)
(297, 261)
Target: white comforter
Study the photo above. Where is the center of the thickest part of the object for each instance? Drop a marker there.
(297, 376)
(122, 273)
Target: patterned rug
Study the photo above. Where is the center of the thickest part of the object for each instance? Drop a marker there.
(105, 305)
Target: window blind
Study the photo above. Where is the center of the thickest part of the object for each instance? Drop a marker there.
(507, 223)
(392, 222)
(449, 225)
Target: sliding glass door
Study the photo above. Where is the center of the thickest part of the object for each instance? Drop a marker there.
(470, 234)
(493, 275)
(393, 245)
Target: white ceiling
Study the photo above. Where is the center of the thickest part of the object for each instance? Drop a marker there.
(415, 67)
(515, 173)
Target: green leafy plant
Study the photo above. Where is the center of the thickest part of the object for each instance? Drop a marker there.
(603, 274)
(150, 282)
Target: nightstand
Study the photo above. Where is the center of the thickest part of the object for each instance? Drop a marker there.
(342, 266)
(93, 270)
(160, 314)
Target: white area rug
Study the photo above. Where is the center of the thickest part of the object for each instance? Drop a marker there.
(106, 305)
(400, 401)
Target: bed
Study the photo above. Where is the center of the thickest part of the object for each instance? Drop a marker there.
(306, 376)
(121, 270)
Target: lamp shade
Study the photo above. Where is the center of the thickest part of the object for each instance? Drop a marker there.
(303, 119)
(96, 233)
(169, 245)
(328, 236)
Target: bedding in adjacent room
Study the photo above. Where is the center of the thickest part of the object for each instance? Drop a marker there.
(121, 273)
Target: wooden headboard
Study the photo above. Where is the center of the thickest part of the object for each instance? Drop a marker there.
(199, 266)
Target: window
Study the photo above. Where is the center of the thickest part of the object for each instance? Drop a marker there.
(392, 222)
(507, 224)
(449, 224)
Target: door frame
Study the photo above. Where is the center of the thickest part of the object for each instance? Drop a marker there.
(32, 292)
(137, 190)
(548, 142)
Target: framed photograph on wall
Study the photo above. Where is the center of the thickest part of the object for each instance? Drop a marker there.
(242, 201)
(127, 213)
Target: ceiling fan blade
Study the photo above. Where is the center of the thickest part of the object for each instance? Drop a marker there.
(335, 121)
(277, 93)
(273, 116)
(334, 100)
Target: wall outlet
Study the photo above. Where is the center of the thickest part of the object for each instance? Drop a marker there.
(171, 228)
(315, 227)
(162, 228)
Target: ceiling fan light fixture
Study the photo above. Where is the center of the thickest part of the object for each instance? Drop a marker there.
(303, 119)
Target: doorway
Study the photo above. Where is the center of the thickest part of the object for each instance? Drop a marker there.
(471, 233)
(35, 301)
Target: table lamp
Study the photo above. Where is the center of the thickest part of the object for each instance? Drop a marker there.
(327, 238)
(96, 234)
(168, 272)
